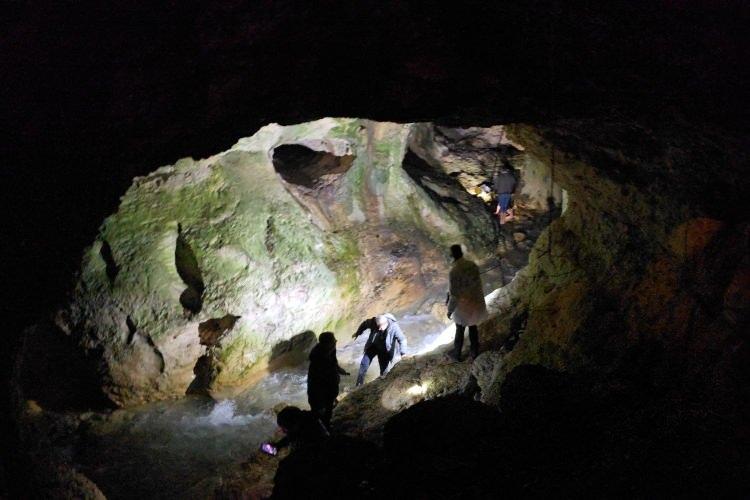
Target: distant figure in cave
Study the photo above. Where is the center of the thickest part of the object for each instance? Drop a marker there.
(301, 428)
(323, 377)
(383, 336)
(505, 185)
(465, 301)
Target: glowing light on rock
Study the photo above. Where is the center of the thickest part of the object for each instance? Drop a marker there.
(445, 337)
(418, 389)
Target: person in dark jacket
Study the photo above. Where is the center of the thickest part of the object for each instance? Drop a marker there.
(301, 428)
(323, 377)
(505, 185)
(385, 340)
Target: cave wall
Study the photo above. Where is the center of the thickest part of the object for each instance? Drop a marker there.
(635, 285)
(647, 269)
(472, 155)
(208, 264)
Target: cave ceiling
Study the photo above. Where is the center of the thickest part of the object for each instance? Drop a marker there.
(97, 94)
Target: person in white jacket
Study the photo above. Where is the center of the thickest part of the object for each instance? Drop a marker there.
(465, 301)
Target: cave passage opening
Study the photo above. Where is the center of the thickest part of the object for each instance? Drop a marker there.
(302, 166)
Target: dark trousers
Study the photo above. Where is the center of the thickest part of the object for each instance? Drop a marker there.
(383, 360)
(323, 409)
(458, 342)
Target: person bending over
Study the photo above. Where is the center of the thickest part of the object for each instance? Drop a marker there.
(385, 340)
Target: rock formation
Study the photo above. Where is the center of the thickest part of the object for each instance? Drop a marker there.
(207, 265)
(637, 290)
(637, 273)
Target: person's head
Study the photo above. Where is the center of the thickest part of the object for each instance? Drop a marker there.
(456, 252)
(328, 340)
(289, 418)
(382, 322)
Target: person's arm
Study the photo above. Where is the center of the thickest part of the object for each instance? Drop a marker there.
(452, 303)
(365, 325)
(401, 338)
(281, 443)
(340, 370)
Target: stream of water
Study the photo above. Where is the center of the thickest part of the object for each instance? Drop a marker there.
(178, 449)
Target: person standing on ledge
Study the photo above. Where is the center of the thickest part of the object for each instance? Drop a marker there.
(505, 185)
(384, 334)
(465, 301)
(323, 377)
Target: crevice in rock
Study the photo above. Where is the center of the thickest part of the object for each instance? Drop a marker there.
(211, 331)
(440, 187)
(112, 269)
(190, 273)
(151, 344)
(132, 329)
(202, 380)
(270, 235)
(517, 328)
(302, 166)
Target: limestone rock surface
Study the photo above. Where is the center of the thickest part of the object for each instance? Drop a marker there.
(209, 264)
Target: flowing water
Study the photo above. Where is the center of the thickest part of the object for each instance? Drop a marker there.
(179, 449)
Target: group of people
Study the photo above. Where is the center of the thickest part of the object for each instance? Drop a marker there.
(387, 343)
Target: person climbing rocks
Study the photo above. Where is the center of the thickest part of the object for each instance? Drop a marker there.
(301, 428)
(465, 301)
(323, 377)
(505, 185)
(384, 334)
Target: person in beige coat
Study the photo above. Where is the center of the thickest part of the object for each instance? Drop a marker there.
(465, 301)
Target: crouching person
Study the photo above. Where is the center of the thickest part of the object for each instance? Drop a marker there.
(301, 428)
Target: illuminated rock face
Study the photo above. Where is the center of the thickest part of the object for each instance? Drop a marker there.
(637, 277)
(208, 264)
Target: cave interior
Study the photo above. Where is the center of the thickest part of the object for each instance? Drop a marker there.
(195, 200)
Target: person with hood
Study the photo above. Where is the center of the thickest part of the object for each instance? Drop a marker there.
(505, 185)
(301, 428)
(323, 377)
(385, 340)
(466, 304)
